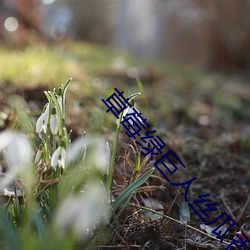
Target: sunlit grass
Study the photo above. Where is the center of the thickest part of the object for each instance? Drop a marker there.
(51, 64)
(41, 64)
(37, 65)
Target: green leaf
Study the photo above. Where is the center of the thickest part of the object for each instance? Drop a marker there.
(122, 209)
(65, 87)
(128, 191)
(10, 236)
(39, 222)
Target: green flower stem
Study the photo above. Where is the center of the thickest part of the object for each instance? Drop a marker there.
(112, 164)
(47, 137)
(54, 142)
(66, 136)
(63, 100)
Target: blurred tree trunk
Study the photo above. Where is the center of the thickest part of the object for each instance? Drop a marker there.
(229, 34)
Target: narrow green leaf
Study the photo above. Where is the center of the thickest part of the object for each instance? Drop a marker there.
(122, 209)
(39, 222)
(65, 87)
(128, 191)
(10, 236)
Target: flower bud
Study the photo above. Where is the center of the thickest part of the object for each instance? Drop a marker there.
(54, 121)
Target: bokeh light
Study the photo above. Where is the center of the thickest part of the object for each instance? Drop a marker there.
(11, 24)
(48, 2)
(58, 31)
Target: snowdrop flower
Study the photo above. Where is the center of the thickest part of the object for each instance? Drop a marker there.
(17, 152)
(42, 122)
(59, 157)
(79, 214)
(98, 154)
(54, 121)
(128, 111)
(77, 148)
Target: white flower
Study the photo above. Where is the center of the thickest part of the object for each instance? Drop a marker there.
(59, 158)
(17, 152)
(128, 111)
(54, 121)
(98, 152)
(80, 213)
(42, 122)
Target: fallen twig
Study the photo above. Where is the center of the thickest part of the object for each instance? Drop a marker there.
(179, 222)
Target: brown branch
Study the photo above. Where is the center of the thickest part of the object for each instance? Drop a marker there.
(243, 210)
(227, 207)
(179, 222)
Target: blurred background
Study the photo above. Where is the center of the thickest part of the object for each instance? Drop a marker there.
(212, 34)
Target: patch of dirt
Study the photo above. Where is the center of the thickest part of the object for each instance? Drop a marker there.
(214, 148)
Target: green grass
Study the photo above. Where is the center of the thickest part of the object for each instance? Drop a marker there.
(34, 65)
(41, 64)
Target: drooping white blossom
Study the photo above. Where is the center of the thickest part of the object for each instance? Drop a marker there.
(54, 121)
(42, 122)
(129, 111)
(59, 157)
(101, 154)
(98, 154)
(17, 151)
(79, 214)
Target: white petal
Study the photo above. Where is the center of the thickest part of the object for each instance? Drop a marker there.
(55, 156)
(131, 111)
(64, 154)
(124, 114)
(62, 161)
(42, 121)
(44, 127)
(54, 124)
(126, 111)
(18, 155)
(39, 123)
(101, 155)
(80, 213)
(19, 151)
(46, 113)
(77, 147)
(5, 139)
